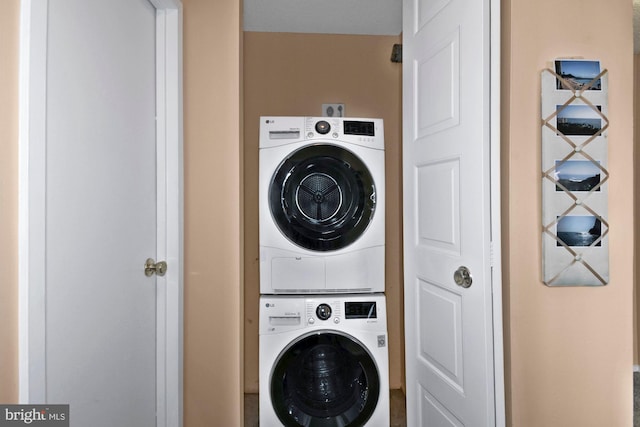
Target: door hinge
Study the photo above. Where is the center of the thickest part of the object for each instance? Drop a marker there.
(491, 255)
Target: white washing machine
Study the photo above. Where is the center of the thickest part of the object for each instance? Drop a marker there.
(321, 205)
(324, 361)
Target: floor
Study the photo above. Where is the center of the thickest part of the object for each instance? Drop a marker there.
(397, 404)
(398, 415)
(636, 399)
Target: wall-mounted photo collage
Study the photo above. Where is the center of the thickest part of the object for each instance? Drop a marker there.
(575, 228)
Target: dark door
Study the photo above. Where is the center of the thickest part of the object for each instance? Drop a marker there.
(325, 379)
(322, 197)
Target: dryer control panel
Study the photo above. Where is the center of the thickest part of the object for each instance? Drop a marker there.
(363, 131)
(277, 131)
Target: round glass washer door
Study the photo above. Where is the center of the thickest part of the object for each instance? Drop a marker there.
(325, 380)
(322, 197)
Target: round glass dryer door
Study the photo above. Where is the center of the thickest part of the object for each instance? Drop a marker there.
(322, 197)
(325, 380)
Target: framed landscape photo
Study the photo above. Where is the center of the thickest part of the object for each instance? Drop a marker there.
(579, 230)
(577, 74)
(579, 119)
(577, 175)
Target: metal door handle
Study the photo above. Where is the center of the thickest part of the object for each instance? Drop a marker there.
(151, 267)
(462, 277)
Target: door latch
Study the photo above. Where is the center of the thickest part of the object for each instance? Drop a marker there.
(151, 267)
(462, 277)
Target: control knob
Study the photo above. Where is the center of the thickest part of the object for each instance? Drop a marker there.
(323, 311)
(323, 127)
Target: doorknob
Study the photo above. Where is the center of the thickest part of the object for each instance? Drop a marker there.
(151, 266)
(462, 277)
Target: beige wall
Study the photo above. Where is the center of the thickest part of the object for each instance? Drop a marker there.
(291, 74)
(9, 26)
(213, 225)
(569, 349)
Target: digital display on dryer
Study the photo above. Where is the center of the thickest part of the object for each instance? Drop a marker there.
(359, 128)
(360, 310)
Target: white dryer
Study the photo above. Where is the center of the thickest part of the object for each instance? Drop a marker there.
(321, 205)
(324, 361)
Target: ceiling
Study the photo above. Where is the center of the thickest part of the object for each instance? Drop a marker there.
(371, 17)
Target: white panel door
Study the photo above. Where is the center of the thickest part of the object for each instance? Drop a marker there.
(101, 211)
(447, 219)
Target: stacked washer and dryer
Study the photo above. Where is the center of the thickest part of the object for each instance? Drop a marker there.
(323, 320)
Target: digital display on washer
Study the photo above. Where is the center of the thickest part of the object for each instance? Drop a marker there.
(359, 128)
(360, 310)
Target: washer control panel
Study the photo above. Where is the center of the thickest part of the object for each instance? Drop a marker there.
(323, 312)
(342, 310)
(284, 313)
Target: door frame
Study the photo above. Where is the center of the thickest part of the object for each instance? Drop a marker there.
(32, 206)
(495, 34)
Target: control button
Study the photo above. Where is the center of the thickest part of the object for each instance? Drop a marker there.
(336, 320)
(335, 134)
(311, 320)
(310, 135)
